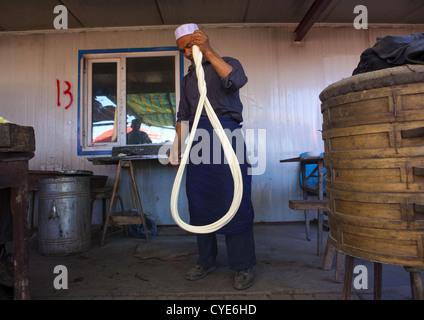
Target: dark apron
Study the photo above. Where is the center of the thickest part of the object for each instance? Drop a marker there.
(210, 185)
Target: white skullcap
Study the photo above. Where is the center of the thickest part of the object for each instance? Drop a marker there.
(185, 29)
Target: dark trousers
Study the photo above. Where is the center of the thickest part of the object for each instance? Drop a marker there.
(240, 249)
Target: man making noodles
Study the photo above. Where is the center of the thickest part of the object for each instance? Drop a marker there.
(209, 184)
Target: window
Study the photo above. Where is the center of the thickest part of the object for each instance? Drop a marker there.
(127, 98)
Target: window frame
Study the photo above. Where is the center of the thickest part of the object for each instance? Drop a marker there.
(86, 58)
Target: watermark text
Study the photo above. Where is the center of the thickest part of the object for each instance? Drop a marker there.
(361, 20)
(60, 281)
(61, 20)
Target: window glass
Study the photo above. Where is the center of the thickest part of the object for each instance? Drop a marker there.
(104, 95)
(150, 99)
(127, 98)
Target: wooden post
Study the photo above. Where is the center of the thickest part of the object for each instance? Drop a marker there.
(416, 282)
(378, 280)
(19, 208)
(347, 286)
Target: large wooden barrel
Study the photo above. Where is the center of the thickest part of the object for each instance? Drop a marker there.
(373, 132)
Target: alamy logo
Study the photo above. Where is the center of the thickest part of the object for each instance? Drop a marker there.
(60, 281)
(361, 20)
(61, 21)
(361, 280)
(251, 142)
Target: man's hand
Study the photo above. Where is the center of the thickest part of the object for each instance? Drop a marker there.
(201, 40)
(174, 157)
(181, 133)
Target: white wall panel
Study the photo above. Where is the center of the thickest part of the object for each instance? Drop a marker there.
(281, 96)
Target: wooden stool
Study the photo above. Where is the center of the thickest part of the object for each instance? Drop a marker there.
(104, 194)
(414, 274)
(126, 218)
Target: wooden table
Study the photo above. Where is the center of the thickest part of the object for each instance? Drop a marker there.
(318, 190)
(17, 146)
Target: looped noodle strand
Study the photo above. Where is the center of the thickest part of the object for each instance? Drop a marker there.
(228, 151)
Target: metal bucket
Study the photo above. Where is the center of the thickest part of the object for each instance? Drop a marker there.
(373, 131)
(64, 215)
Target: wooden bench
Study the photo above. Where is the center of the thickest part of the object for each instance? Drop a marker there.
(330, 250)
(308, 204)
(319, 205)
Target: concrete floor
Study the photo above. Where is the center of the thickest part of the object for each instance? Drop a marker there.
(126, 268)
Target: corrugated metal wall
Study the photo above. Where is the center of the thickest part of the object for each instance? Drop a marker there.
(281, 96)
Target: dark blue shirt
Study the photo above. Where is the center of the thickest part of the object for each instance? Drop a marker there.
(223, 93)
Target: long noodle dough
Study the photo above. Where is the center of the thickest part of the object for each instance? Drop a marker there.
(228, 151)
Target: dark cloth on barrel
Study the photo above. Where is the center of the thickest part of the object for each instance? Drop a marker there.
(210, 185)
(392, 51)
(222, 93)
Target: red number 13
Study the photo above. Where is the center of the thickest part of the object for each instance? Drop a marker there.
(67, 91)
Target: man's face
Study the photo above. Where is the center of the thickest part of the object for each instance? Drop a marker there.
(135, 126)
(184, 45)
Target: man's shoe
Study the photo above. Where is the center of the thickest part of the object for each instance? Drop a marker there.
(244, 279)
(199, 272)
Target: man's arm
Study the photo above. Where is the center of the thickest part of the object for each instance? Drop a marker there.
(180, 137)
